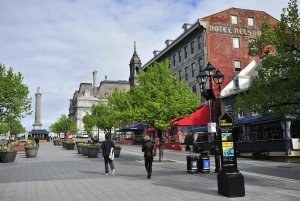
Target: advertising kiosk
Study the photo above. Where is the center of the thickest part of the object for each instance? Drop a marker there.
(230, 179)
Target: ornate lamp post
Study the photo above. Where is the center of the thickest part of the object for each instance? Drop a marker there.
(208, 93)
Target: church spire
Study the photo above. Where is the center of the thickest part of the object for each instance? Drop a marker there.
(134, 47)
(135, 65)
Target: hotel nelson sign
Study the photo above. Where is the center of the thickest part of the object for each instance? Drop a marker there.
(230, 30)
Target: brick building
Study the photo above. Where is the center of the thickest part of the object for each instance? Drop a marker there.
(221, 38)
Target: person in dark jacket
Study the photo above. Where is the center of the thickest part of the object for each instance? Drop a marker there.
(106, 146)
(147, 149)
(37, 141)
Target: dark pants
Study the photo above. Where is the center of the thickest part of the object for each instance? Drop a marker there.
(111, 164)
(148, 164)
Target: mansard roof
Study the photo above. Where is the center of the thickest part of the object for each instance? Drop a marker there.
(86, 86)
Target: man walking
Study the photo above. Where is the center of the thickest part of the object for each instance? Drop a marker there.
(106, 147)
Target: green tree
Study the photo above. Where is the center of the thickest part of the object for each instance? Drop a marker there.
(4, 128)
(160, 97)
(103, 117)
(14, 101)
(63, 125)
(16, 128)
(120, 103)
(275, 89)
(88, 123)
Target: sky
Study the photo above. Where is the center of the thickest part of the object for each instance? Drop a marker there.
(57, 44)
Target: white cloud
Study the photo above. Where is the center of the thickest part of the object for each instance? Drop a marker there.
(57, 44)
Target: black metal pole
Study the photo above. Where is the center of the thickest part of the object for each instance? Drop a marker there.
(212, 119)
(217, 159)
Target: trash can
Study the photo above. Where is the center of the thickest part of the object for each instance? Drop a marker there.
(192, 164)
(204, 163)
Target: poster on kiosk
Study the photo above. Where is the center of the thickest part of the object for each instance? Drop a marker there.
(228, 158)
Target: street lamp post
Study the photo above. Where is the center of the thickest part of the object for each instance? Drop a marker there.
(208, 93)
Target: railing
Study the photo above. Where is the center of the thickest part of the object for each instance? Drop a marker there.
(264, 145)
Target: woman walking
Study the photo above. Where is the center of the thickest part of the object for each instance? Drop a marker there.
(147, 149)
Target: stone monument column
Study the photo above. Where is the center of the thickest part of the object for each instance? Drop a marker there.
(37, 124)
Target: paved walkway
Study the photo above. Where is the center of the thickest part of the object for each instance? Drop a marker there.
(59, 174)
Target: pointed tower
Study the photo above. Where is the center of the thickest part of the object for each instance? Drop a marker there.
(135, 65)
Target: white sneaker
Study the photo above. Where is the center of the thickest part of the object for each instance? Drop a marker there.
(113, 172)
(106, 174)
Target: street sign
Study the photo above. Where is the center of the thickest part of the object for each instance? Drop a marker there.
(225, 121)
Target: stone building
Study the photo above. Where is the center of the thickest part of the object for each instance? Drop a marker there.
(89, 94)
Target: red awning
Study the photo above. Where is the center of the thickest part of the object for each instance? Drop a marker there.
(199, 117)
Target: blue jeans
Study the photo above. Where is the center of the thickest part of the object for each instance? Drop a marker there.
(111, 164)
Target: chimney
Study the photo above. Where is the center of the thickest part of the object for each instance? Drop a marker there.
(105, 77)
(94, 78)
(156, 52)
(168, 42)
(186, 26)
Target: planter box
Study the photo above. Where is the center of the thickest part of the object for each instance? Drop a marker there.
(59, 143)
(92, 152)
(79, 149)
(84, 151)
(182, 147)
(8, 157)
(69, 146)
(117, 151)
(55, 142)
(31, 152)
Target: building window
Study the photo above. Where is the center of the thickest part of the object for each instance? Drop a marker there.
(174, 59)
(241, 115)
(236, 85)
(193, 69)
(180, 75)
(192, 47)
(201, 64)
(199, 42)
(185, 51)
(194, 89)
(250, 21)
(236, 42)
(180, 55)
(234, 19)
(186, 73)
(237, 66)
(170, 62)
(228, 109)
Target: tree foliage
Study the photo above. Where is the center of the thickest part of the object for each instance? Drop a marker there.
(16, 128)
(160, 97)
(14, 101)
(275, 89)
(63, 125)
(103, 117)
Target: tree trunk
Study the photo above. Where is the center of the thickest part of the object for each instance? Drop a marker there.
(159, 133)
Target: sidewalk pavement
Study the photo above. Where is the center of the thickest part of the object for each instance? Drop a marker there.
(59, 174)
